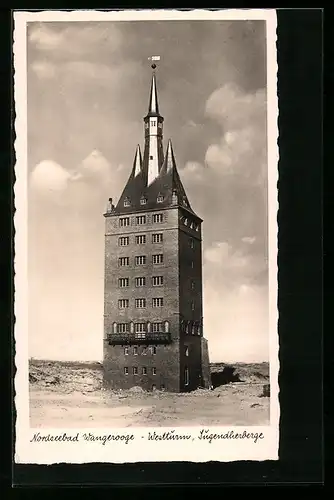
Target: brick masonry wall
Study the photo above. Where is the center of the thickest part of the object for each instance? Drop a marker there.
(167, 358)
(170, 361)
(166, 362)
(190, 251)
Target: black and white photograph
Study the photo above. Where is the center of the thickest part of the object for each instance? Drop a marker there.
(146, 236)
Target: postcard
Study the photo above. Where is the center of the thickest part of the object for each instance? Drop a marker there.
(146, 236)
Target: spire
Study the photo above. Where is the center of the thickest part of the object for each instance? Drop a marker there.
(137, 163)
(153, 106)
(170, 159)
(153, 153)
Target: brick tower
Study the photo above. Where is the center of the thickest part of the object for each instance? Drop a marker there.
(153, 317)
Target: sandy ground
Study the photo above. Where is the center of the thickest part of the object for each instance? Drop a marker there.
(65, 395)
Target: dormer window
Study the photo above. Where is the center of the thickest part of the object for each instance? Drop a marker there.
(143, 201)
(160, 198)
(127, 202)
(186, 221)
(153, 123)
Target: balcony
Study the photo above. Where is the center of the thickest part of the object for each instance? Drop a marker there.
(139, 338)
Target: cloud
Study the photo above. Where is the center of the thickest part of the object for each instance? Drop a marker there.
(96, 166)
(48, 176)
(230, 267)
(233, 170)
(242, 147)
(44, 69)
(74, 39)
(248, 239)
(43, 37)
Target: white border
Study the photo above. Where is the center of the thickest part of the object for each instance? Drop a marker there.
(135, 451)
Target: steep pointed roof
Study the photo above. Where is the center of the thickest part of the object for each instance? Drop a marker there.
(138, 162)
(134, 186)
(153, 105)
(167, 190)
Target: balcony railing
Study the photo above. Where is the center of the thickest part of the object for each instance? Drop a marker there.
(139, 338)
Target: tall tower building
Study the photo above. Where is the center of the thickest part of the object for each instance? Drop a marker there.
(153, 314)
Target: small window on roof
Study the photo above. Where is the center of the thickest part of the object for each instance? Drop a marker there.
(143, 200)
(160, 198)
(127, 202)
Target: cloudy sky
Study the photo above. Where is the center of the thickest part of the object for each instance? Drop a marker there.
(88, 86)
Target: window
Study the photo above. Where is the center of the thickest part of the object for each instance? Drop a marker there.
(140, 327)
(143, 201)
(193, 329)
(186, 376)
(126, 351)
(123, 261)
(157, 327)
(154, 371)
(192, 284)
(157, 238)
(157, 302)
(153, 349)
(141, 219)
(160, 198)
(153, 123)
(185, 221)
(140, 260)
(124, 221)
(158, 258)
(196, 227)
(123, 303)
(123, 282)
(191, 243)
(144, 370)
(158, 218)
(166, 326)
(141, 239)
(135, 370)
(157, 280)
(154, 387)
(140, 281)
(192, 264)
(135, 350)
(192, 305)
(126, 370)
(186, 350)
(122, 328)
(123, 241)
(127, 202)
(144, 351)
(140, 303)
(151, 157)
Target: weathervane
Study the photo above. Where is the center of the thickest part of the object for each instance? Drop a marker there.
(154, 58)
